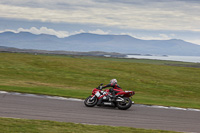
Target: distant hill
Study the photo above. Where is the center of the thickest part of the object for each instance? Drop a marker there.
(93, 42)
(34, 51)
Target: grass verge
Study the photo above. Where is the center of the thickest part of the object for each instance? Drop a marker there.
(10, 125)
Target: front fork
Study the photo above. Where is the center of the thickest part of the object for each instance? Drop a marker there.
(92, 97)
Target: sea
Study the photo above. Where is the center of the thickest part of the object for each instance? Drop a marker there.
(193, 59)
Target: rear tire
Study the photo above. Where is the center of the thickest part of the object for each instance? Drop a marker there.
(125, 104)
(90, 103)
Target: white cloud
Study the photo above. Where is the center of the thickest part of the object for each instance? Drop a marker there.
(60, 34)
(149, 37)
(42, 30)
(45, 30)
(195, 41)
(77, 32)
(162, 37)
(99, 31)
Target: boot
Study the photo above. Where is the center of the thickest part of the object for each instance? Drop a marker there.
(113, 96)
(99, 102)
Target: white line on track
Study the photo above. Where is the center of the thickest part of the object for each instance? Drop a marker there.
(75, 99)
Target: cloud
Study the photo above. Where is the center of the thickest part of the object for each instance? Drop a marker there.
(124, 14)
(195, 41)
(60, 34)
(45, 30)
(42, 30)
(163, 36)
(143, 36)
(99, 31)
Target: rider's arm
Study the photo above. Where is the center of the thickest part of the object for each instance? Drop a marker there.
(117, 86)
(108, 85)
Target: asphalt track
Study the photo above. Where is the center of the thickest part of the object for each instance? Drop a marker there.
(66, 110)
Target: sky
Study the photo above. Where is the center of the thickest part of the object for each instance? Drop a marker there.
(143, 19)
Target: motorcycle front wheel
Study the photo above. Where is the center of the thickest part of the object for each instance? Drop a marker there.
(90, 103)
(124, 104)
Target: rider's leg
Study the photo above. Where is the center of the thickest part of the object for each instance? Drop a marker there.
(114, 93)
(100, 101)
(111, 90)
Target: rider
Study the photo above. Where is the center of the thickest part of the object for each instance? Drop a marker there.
(115, 87)
(114, 90)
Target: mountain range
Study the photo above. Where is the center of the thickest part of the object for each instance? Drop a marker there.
(85, 42)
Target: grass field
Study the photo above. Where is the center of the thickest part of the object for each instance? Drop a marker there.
(155, 82)
(10, 125)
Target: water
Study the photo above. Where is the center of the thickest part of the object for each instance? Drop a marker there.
(194, 59)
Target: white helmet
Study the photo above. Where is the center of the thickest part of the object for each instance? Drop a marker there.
(113, 81)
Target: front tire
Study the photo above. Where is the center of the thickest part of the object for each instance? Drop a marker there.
(90, 103)
(123, 105)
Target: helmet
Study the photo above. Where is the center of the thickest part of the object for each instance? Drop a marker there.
(113, 81)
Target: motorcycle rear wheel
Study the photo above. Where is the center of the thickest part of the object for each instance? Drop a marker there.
(90, 103)
(124, 104)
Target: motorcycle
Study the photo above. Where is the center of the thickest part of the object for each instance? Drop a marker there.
(121, 100)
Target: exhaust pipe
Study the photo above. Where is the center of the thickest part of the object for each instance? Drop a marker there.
(108, 103)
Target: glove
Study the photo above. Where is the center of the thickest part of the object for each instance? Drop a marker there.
(100, 88)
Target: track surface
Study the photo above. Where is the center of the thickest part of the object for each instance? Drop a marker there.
(74, 111)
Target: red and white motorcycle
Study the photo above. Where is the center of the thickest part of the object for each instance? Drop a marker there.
(121, 100)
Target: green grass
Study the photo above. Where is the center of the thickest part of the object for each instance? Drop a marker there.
(75, 76)
(10, 125)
